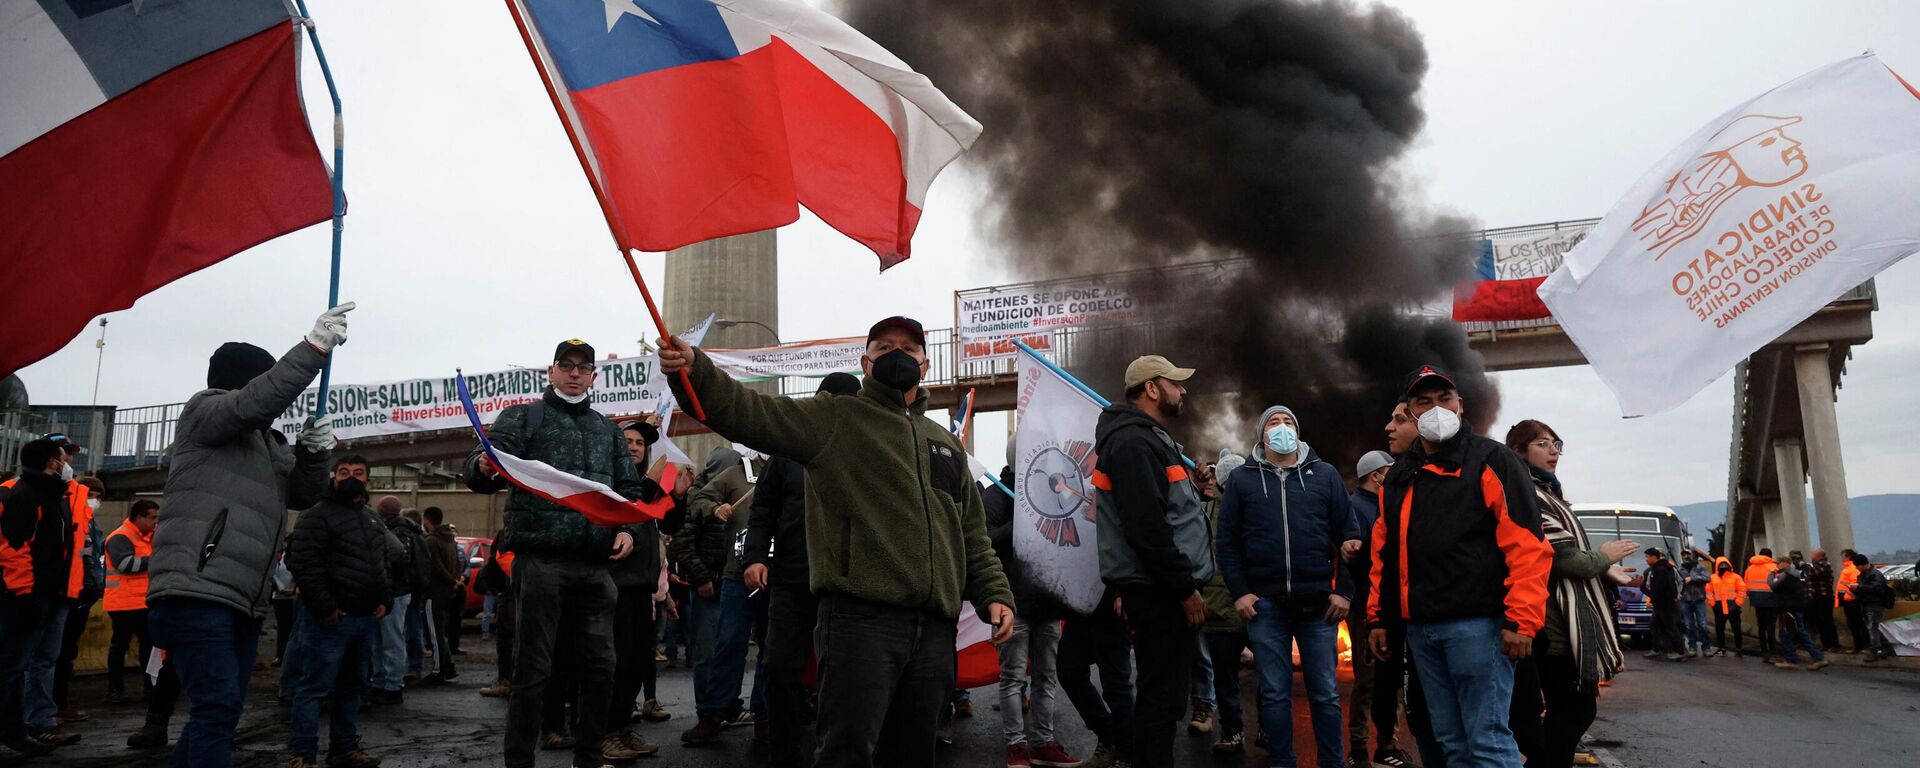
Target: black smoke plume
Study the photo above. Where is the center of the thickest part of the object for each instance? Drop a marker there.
(1130, 134)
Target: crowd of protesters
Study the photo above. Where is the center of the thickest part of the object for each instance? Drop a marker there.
(1475, 604)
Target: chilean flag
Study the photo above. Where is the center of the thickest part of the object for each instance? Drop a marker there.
(594, 500)
(141, 141)
(1486, 297)
(699, 119)
(976, 660)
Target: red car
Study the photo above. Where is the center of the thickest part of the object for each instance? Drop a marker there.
(475, 550)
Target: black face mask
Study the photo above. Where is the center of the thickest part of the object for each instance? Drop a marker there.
(349, 492)
(898, 370)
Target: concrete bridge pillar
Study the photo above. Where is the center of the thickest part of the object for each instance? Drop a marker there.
(1793, 499)
(736, 278)
(1773, 534)
(1821, 428)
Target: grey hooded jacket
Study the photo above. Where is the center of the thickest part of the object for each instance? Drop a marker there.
(230, 481)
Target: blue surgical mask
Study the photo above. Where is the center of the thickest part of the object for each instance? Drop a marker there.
(1282, 440)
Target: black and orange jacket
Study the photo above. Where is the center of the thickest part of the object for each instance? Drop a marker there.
(1459, 537)
(43, 526)
(1153, 526)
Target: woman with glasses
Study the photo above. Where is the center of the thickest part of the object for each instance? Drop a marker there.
(1578, 647)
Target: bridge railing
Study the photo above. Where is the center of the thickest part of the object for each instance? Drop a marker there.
(141, 436)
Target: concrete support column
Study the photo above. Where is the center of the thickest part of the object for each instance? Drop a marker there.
(1773, 531)
(736, 278)
(1821, 428)
(1793, 500)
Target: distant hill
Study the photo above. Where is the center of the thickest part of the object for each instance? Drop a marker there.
(1884, 523)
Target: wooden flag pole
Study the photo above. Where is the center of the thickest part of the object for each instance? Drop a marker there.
(600, 195)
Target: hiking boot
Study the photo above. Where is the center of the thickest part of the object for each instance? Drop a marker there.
(149, 736)
(501, 687)
(1202, 721)
(1017, 756)
(1785, 665)
(1053, 755)
(59, 737)
(707, 731)
(30, 746)
(652, 712)
(615, 748)
(1102, 757)
(963, 708)
(639, 744)
(1230, 742)
(1394, 757)
(354, 759)
(1819, 665)
(556, 740)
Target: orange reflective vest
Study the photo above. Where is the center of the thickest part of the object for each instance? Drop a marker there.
(128, 591)
(82, 522)
(1849, 578)
(1726, 591)
(1759, 567)
(505, 559)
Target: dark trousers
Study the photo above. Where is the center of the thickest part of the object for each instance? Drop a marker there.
(211, 648)
(632, 653)
(127, 624)
(1523, 715)
(792, 611)
(1164, 647)
(506, 613)
(1666, 629)
(886, 672)
(570, 601)
(283, 619)
(1720, 621)
(1820, 623)
(1099, 642)
(1856, 624)
(1570, 708)
(164, 694)
(563, 689)
(69, 650)
(444, 612)
(1225, 648)
(1767, 627)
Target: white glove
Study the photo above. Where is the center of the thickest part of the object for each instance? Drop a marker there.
(317, 436)
(330, 329)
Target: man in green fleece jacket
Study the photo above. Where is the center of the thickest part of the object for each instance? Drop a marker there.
(896, 539)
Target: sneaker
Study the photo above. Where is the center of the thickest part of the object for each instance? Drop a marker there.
(707, 731)
(1053, 755)
(1693, 654)
(354, 759)
(501, 687)
(1202, 722)
(1819, 665)
(1650, 655)
(1674, 657)
(615, 748)
(119, 697)
(1102, 757)
(963, 708)
(652, 712)
(302, 762)
(1232, 743)
(639, 744)
(660, 657)
(556, 740)
(1785, 665)
(1395, 757)
(29, 746)
(149, 736)
(1017, 756)
(944, 734)
(59, 737)
(1585, 756)
(740, 718)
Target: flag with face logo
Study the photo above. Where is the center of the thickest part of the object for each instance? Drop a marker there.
(1053, 515)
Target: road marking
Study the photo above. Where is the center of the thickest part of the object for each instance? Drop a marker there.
(1607, 759)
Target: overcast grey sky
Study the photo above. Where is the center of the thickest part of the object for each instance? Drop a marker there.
(474, 241)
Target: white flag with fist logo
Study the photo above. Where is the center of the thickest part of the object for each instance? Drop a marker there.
(1756, 221)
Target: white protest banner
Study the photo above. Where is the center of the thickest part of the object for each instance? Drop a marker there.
(1054, 515)
(990, 321)
(1752, 224)
(801, 358)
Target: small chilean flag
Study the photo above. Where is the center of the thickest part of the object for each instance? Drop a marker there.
(705, 118)
(1486, 297)
(976, 661)
(141, 141)
(596, 501)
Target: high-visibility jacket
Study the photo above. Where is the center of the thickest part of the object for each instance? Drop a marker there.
(1759, 568)
(127, 579)
(1849, 578)
(82, 523)
(1726, 591)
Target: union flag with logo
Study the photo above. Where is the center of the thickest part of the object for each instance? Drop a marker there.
(1054, 512)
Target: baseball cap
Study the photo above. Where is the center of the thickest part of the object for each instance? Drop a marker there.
(1423, 373)
(1372, 462)
(570, 345)
(1149, 367)
(61, 439)
(648, 432)
(908, 324)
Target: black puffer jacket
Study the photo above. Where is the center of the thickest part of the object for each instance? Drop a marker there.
(641, 570)
(338, 556)
(777, 531)
(409, 574)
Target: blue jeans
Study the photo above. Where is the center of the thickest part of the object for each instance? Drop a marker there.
(1468, 682)
(1272, 633)
(390, 658)
(738, 614)
(16, 651)
(416, 635)
(41, 655)
(211, 648)
(1693, 625)
(294, 658)
(338, 657)
(1203, 672)
(488, 605)
(1793, 634)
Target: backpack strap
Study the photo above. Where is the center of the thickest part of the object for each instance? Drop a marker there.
(536, 413)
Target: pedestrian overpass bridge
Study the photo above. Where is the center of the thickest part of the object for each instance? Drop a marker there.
(1784, 425)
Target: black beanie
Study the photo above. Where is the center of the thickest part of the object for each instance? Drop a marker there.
(839, 383)
(235, 363)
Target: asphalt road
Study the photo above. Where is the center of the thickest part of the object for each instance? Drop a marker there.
(1721, 713)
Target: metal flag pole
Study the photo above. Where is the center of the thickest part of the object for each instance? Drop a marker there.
(339, 192)
(1068, 378)
(606, 209)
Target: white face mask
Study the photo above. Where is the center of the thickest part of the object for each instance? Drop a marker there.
(93, 504)
(66, 471)
(1439, 424)
(573, 399)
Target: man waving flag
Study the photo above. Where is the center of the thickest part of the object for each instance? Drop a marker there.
(698, 119)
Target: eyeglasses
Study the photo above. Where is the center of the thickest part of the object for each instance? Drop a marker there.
(573, 367)
(1548, 442)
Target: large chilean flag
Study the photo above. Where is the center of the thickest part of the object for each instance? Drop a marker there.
(140, 141)
(705, 118)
